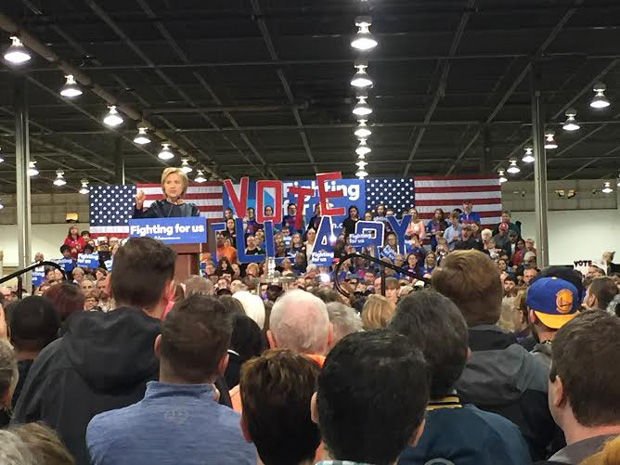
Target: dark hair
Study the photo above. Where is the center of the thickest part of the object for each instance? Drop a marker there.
(67, 298)
(64, 248)
(584, 350)
(231, 305)
(567, 274)
(194, 337)
(372, 395)
(471, 280)
(604, 289)
(327, 294)
(276, 390)
(219, 270)
(435, 325)
(246, 337)
(34, 324)
(89, 247)
(141, 269)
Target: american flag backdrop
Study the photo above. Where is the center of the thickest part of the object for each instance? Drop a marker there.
(449, 192)
(110, 207)
(395, 193)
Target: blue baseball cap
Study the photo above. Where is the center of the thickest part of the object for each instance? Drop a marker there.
(553, 300)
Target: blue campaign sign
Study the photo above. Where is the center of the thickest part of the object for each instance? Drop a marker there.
(108, 264)
(88, 260)
(38, 275)
(189, 230)
(67, 264)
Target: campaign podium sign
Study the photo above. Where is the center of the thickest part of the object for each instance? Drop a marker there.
(38, 276)
(188, 230)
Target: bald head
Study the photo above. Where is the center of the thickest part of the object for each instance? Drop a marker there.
(299, 321)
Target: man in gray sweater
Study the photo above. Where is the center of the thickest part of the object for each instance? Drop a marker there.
(179, 419)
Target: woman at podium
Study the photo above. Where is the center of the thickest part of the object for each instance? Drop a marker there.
(173, 184)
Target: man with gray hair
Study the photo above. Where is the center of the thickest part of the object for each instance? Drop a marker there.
(344, 319)
(299, 321)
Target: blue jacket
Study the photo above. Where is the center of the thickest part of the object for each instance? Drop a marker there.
(465, 435)
(173, 424)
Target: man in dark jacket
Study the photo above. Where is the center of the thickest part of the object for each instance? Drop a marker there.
(500, 376)
(455, 432)
(104, 360)
(467, 241)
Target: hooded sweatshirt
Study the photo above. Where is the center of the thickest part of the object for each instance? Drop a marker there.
(502, 377)
(103, 362)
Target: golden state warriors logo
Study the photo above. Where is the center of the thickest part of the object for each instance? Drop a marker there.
(564, 301)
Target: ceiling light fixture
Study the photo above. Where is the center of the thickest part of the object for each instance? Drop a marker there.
(142, 137)
(32, 168)
(571, 122)
(513, 168)
(361, 164)
(363, 148)
(361, 173)
(71, 88)
(363, 40)
(599, 101)
(361, 79)
(529, 156)
(200, 177)
(17, 54)
(165, 153)
(185, 166)
(362, 131)
(1, 159)
(113, 118)
(60, 178)
(550, 143)
(84, 189)
(1, 206)
(607, 188)
(361, 108)
(502, 176)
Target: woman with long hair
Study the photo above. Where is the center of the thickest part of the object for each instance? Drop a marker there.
(309, 245)
(436, 227)
(416, 226)
(230, 231)
(223, 266)
(296, 244)
(377, 312)
(348, 225)
(75, 242)
(174, 184)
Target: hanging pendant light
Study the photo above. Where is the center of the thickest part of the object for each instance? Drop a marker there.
(165, 153)
(571, 123)
(32, 168)
(361, 79)
(1, 206)
(60, 179)
(362, 131)
(185, 166)
(513, 168)
(502, 176)
(529, 155)
(1, 159)
(363, 40)
(362, 108)
(599, 101)
(200, 177)
(550, 143)
(362, 148)
(361, 164)
(84, 189)
(17, 54)
(142, 137)
(607, 188)
(361, 173)
(113, 118)
(71, 88)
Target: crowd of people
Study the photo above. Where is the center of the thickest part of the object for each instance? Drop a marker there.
(471, 355)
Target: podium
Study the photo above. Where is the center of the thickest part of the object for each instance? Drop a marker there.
(188, 260)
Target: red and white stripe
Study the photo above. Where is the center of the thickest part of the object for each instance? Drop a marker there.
(449, 192)
(207, 196)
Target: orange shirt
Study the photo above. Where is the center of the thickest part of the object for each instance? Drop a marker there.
(227, 251)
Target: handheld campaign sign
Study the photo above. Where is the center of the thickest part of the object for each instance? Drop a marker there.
(67, 264)
(38, 275)
(190, 230)
(323, 252)
(88, 260)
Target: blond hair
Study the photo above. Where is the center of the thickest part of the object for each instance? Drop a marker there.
(377, 312)
(174, 170)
